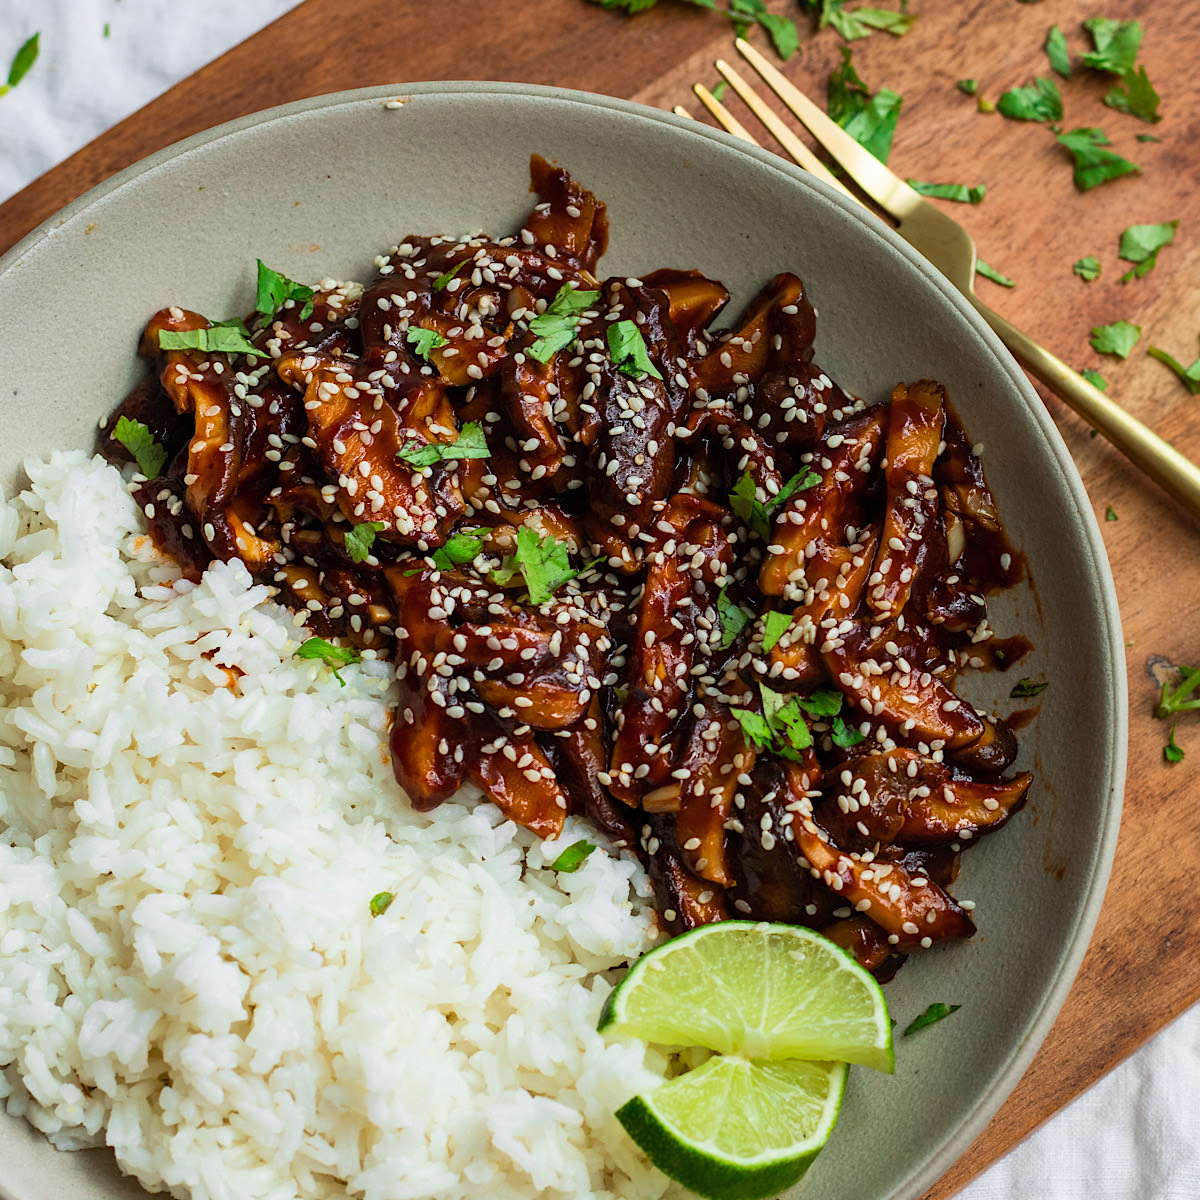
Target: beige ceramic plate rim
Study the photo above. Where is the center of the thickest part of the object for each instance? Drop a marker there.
(923, 1175)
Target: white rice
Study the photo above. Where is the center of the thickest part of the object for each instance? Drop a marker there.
(189, 969)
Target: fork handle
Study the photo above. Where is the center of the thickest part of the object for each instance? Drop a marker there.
(1178, 476)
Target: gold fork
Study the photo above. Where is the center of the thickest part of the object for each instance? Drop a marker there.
(949, 247)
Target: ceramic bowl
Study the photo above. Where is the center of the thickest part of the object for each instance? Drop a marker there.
(318, 188)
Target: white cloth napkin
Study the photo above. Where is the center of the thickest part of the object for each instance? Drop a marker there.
(1136, 1134)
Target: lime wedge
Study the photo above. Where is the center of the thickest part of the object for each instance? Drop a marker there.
(755, 990)
(736, 1128)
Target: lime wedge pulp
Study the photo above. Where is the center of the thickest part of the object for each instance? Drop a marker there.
(758, 991)
(736, 1128)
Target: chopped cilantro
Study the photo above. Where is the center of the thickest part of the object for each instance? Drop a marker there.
(824, 702)
(558, 326)
(774, 628)
(1026, 687)
(543, 562)
(845, 735)
(934, 1013)
(968, 87)
(380, 903)
(1140, 244)
(1118, 339)
(328, 653)
(274, 290)
(1056, 52)
(1136, 96)
(1116, 44)
(1148, 137)
(862, 22)
(1179, 698)
(733, 617)
(22, 61)
(225, 337)
(628, 350)
(781, 30)
(470, 443)
(361, 538)
(985, 105)
(1087, 268)
(779, 728)
(950, 191)
(139, 441)
(573, 857)
(869, 120)
(991, 273)
(444, 278)
(464, 547)
(1110, 514)
(1188, 376)
(718, 89)
(424, 341)
(1096, 380)
(1042, 101)
(1093, 164)
(757, 514)
(1172, 752)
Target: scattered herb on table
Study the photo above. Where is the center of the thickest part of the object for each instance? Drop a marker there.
(326, 652)
(380, 903)
(932, 1015)
(274, 290)
(1140, 244)
(860, 22)
(1096, 380)
(1041, 101)
(1087, 268)
(982, 268)
(24, 58)
(869, 120)
(1135, 95)
(968, 87)
(1188, 376)
(1172, 751)
(470, 443)
(950, 191)
(717, 91)
(1056, 52)
(1179, 698)
(573, 857)
(1026, 687)
(1110, 514)
(1117, 339)
(225, 337)
(781, 30)
(1116, 44)
(139, 441)
(1094, 164)
(1148, 137)
(361, 538)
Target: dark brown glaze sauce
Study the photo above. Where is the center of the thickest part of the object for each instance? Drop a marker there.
(617, 696)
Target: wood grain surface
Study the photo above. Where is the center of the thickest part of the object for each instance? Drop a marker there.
(1142, 968)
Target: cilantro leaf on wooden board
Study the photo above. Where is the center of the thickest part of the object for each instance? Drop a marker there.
(1087, 268)
(950, 191)
(1188, 376)
(1093, 163)
(1056, 52)
(1140, 245)
(1117, 339)
(869, 120)
(982, 268)
(1041, 101)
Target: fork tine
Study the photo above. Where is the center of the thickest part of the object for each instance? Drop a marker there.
(887, 189)
(680, 111)
(722, 114)
(782, 134)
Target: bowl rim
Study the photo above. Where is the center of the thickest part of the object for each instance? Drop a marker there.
(920, 1178)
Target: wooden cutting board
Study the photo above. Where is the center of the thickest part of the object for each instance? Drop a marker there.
(1143, 967)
